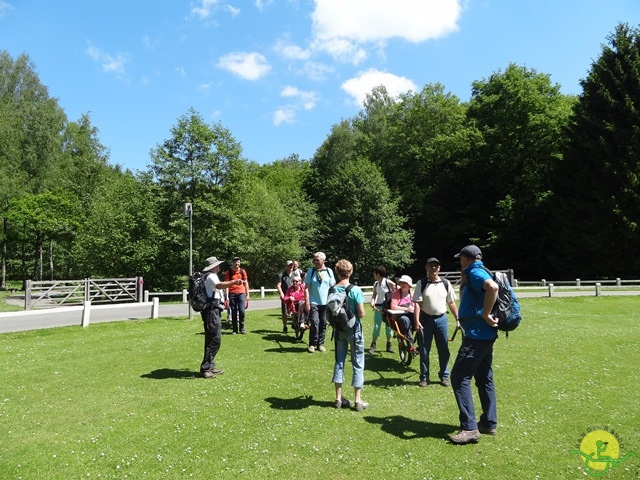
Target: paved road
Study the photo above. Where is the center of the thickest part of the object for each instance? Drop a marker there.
(65, 316)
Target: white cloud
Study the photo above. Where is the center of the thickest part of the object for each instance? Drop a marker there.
(284, 115)
(306, 100)
(341, 28)
(361, 85)
(233, 10)
(181, 71)
(110, 64)
(262, 3)
(205, 8)
(317, 71)
(148, 42)
(291, 51)
(250, 66)
(5, 8)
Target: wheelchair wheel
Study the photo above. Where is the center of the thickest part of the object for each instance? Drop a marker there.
(406, 352)
(300, 332)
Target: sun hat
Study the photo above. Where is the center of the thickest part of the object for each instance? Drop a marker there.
(289, 262)
(406, 279)
(470, 251)
(212, 262)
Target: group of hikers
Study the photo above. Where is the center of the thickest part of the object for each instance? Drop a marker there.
(419, 310)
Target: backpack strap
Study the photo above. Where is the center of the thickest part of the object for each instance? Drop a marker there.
(425, 281)
(347, 308)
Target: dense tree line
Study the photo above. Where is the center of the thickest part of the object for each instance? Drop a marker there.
(545, 183)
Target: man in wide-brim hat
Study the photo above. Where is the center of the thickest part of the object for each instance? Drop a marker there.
(211, 317)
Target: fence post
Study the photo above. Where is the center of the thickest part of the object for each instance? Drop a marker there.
(86, 289)
(618, 282)
(185, 293)
(577, 282)
(261, 292)
(139, 289)
(597, 289)
(544, 282)
(551, 290)
(27, 296)
(155, 308)
(86, 314)
(146, 296)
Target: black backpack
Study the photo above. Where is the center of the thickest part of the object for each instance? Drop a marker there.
(386, 304)
(197, 291)
(339, 313)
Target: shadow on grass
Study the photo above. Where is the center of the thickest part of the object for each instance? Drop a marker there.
(165, 373)
(409, 429)
(388, 363)
(297, 403)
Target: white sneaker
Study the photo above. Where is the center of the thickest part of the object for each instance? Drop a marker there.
(311, 349)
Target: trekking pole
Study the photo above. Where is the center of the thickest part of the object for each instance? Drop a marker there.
(454, 334)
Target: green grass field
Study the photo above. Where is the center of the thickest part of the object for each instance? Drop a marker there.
(125, 400)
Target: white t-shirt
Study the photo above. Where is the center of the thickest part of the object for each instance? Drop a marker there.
(381, 288)
(434, 298)
(210, 285)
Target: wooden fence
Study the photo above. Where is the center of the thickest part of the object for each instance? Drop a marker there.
(47, 294)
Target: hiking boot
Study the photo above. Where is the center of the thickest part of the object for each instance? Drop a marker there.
(390, 348)
(493, 431)
(372, 348)
(423, 383)
(465, 436)
(445, 382)
(361, 405)
(342, 403)
(321, 348)
(311, 349)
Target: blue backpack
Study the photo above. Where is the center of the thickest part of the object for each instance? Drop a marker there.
(506, 309)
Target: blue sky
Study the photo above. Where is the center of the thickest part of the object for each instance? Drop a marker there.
(279, 73)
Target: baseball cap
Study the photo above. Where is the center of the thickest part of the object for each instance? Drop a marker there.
(433, 260)
(470, 251)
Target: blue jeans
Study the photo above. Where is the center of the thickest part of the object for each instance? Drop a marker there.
(344, 339)
(236, 303)
(438, 328)
(474, 359)
(317, 325)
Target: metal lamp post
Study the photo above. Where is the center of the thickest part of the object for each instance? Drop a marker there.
(187, 209)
